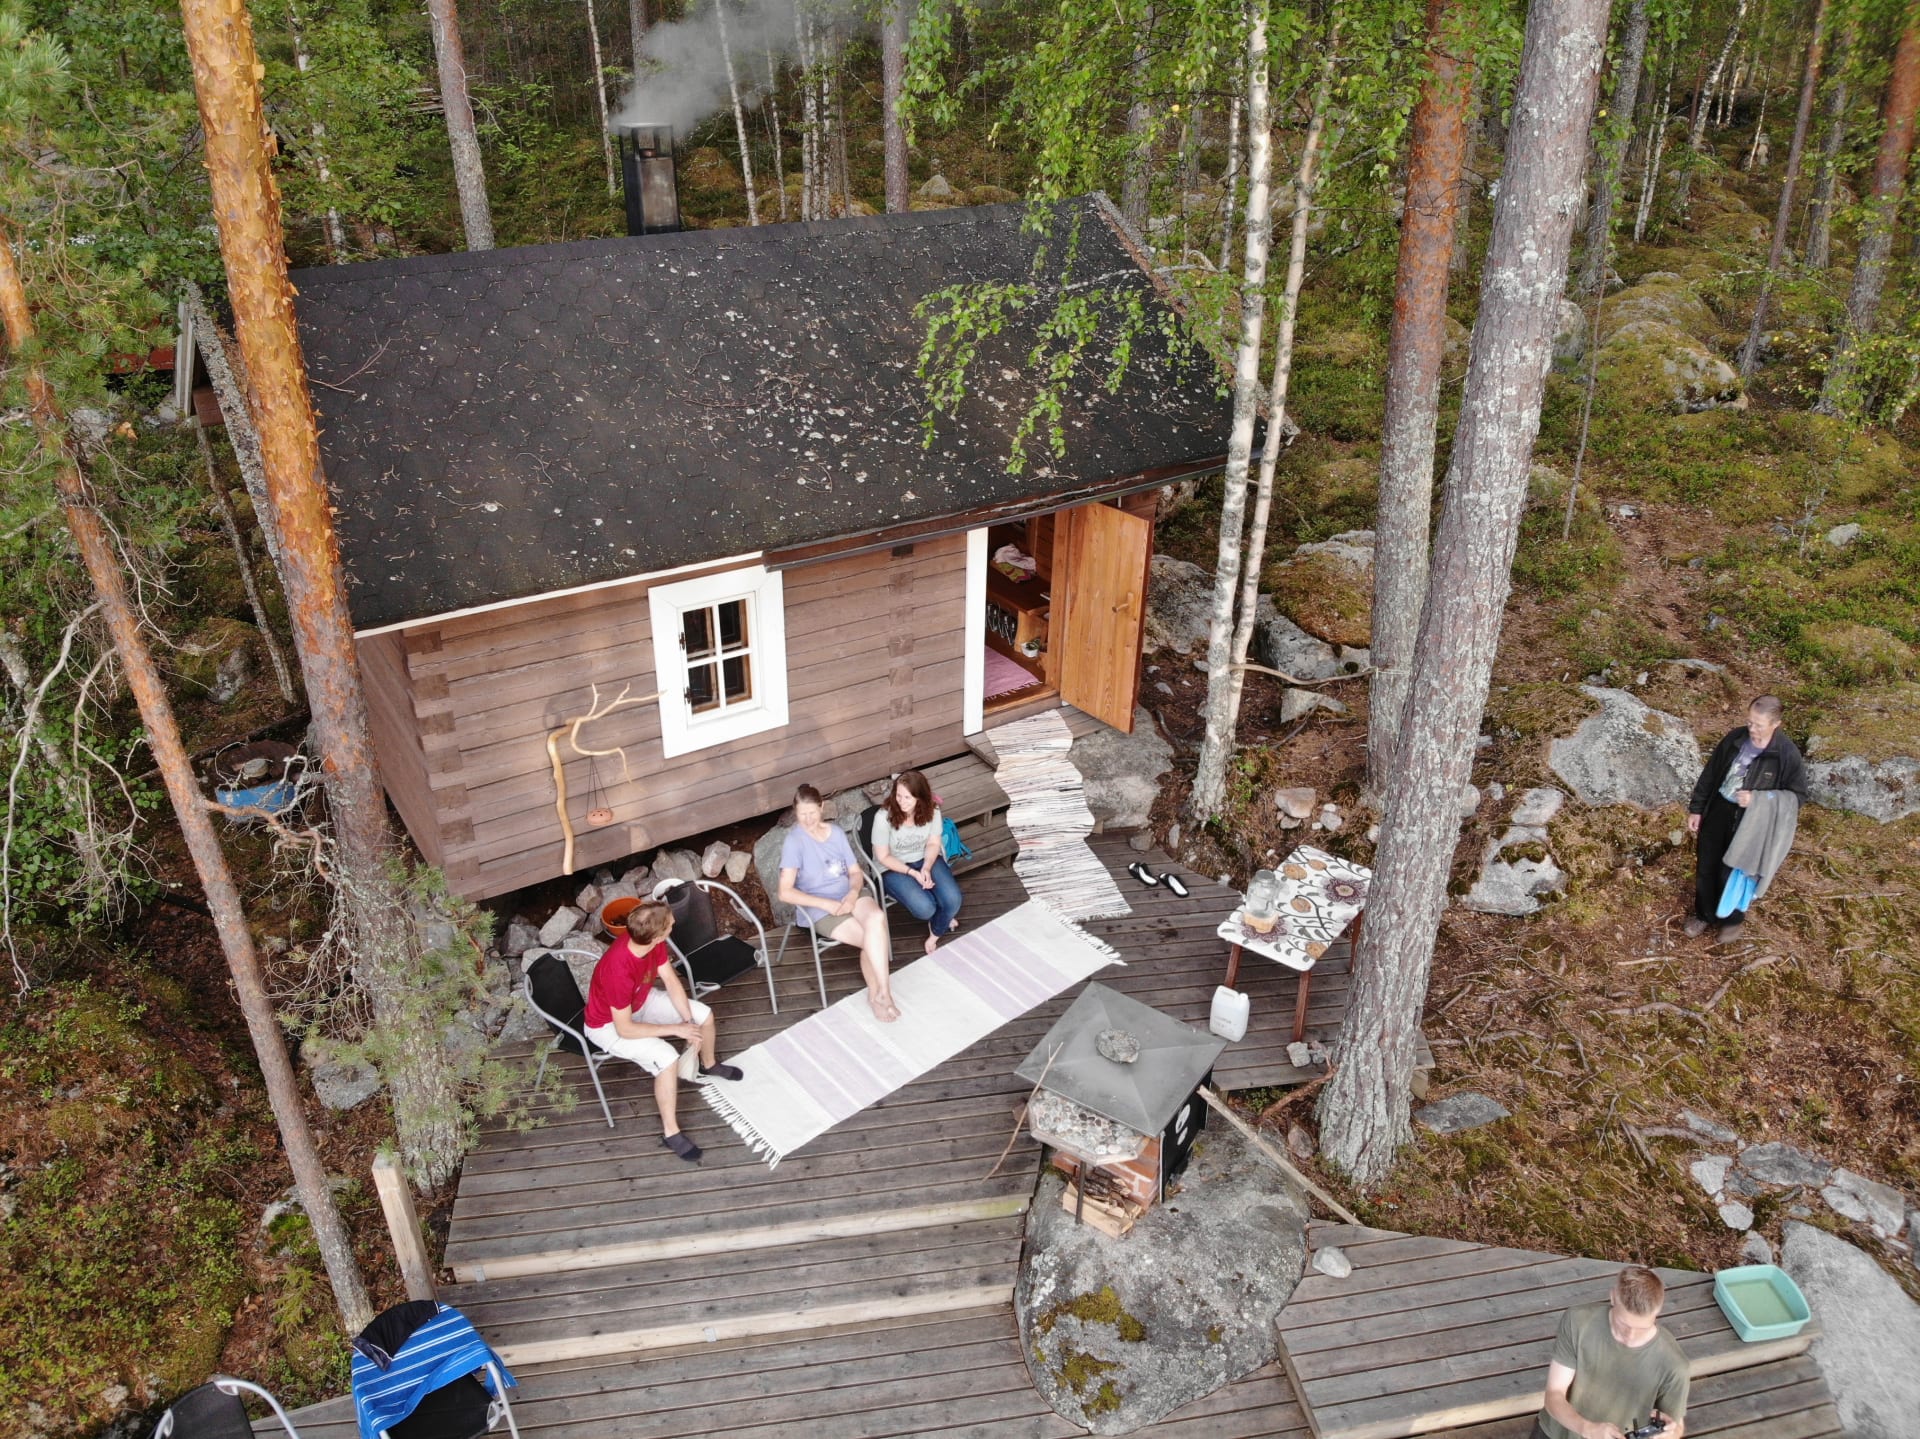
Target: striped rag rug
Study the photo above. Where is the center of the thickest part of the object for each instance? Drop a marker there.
(833, 1064)
(1050, 819)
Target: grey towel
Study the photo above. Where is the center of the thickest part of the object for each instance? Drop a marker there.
(1765, 835)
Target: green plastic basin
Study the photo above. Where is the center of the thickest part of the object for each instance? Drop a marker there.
(1761, 1302)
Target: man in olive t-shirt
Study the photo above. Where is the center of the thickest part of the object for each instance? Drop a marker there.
(1614, 1368)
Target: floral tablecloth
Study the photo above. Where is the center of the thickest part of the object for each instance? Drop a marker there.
(1319, 896)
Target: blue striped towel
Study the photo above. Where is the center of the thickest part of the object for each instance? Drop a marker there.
(445, 1348)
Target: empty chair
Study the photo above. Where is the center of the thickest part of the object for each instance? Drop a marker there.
(553, 994)
(422, 1371)
(214, 1411)
(708, 955)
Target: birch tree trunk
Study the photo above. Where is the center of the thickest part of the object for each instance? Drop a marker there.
(839, 122)
(335, 232)
(1232, 183)
(230, 522)
(739, 113)
(1656, 151)
(809, 121)
(1304, 184)
(1363, 1109)
(773, 127)
(1416, 343)
(894, 18)
(1209, 782)
(1135, 184)
(102, 562)
(600, 100)
(1820, 210)
(637, 31)
(1759, 133)
(1613, 156)
(1889, 187)
(1703, 107)
(469, 176)
(1783, 216)
(380, 936)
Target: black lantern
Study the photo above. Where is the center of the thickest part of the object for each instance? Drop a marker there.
(646, 167)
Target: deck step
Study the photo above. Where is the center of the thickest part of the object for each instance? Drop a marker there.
(657, 1303)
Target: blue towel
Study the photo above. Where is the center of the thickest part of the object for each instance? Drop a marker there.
(951, 844)
(445, 1348)
(1738, 894)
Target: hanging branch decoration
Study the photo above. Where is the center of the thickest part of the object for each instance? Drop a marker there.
(570, 731)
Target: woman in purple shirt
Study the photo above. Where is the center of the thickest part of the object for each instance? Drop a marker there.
(821, 879)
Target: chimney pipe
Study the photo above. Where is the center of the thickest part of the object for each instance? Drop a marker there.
(649, 179)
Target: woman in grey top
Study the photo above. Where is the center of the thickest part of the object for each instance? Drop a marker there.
(907, 847)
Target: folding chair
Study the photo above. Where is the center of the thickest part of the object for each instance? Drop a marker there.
(862, 838)
(710, 957)
(553, 995)
(422, 1371)
(214, 1411)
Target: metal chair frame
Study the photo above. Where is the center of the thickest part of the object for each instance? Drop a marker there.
(760, 954)
(592, 1055)
(227, 1384)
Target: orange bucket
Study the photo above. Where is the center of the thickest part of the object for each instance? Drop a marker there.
(613, 915)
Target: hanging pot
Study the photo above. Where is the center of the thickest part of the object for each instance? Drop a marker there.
(599, 816)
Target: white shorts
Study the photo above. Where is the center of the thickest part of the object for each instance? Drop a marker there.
(652, 1055)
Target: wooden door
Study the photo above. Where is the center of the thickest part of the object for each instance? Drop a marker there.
(1100, 562)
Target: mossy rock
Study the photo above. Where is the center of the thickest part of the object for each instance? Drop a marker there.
(1876, 468)
(1353, 480)
(1326, 594)
(1688, 266)
(197, 659)
(1872, 724)
(1651, 366)
(1547, 490)
(1739, 232)
(1667, 300)
(1343, 347)
(708, 170)
(1855, 653)
(991, 195)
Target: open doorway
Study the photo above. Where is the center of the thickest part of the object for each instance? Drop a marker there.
(1018, 659)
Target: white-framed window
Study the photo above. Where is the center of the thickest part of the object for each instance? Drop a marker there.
(720, 652)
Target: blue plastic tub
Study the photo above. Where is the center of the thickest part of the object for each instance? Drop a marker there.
(261, 798)
(1761, 1302)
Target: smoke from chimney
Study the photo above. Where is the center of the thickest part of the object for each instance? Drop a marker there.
(687, 80)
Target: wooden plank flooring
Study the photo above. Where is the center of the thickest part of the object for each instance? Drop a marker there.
(572, 1193)
(1427, 1334)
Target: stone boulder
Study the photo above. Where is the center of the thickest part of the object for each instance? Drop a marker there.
(343, 1084)
(1652, 365)
(766, 864)
(1517, 870)
(1122, 772)
(1119, 1333)
(1863, 757)
(1569, 332)
(1869, 1333)
(1886, 791)
(1627, 754)
(680, 864)
(1280, 644)
(1661, 298)
(216, 660)
(1179, 605)
(1327, 588)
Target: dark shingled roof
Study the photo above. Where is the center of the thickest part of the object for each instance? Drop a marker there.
(499, 425)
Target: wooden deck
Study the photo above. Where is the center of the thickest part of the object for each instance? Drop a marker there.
(571, 1194)
(1429, 1335)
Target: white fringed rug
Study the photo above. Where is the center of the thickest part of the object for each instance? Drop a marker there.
(1050, 820)
(832, 1065)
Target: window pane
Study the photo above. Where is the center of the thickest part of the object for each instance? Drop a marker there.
(739, 675)
(700, 688)
(733, 625)
(696, 633)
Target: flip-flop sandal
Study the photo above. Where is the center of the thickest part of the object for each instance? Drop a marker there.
(682, 1146)
(1172, 882)
(1140, 872)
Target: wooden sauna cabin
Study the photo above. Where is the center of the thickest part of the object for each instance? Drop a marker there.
(691, 470)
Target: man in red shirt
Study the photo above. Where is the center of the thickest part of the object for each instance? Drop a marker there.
(636, 1003)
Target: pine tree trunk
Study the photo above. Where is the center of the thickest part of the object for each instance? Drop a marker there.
(102, 561)
(600, 100)
(1882, 211)
(739, 113)
(1364, 1108)
(469, 176)
(1703, 108)
(1656, 150)
(1209, 783)
(1783, 216)
(237, 410)
(379, 934)
(1416, 344)
(335, 232)
(1613, 148)
(894, 18)
(1819, 249)
(636, 32)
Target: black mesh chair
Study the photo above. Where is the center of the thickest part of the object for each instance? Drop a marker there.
(554, 996)
(214, 1411)
(421, 1371)
(708, 954)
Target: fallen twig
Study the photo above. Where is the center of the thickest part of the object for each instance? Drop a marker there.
(1660, 1006)
(1020, 1114)
(1225, 1111)
(1727, 984)
(1284, 1100)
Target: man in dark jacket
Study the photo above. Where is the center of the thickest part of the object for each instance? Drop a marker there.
(1756, 756)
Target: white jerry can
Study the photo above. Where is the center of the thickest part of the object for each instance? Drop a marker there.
(1229, 1017)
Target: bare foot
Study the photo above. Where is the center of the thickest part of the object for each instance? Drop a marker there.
(933, 943)
(883, 1009)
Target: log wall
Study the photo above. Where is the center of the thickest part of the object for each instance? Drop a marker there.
(874, 674)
